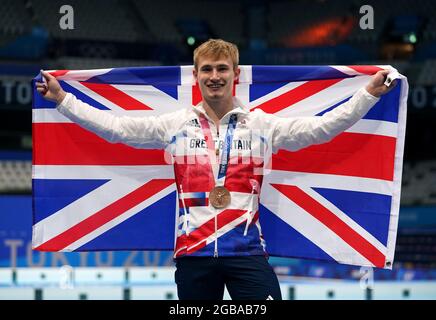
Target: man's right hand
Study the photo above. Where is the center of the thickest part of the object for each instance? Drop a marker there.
(50, 89)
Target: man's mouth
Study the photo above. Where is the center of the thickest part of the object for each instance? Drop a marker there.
(215, 85)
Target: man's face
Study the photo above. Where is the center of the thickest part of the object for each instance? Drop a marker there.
(216, 77)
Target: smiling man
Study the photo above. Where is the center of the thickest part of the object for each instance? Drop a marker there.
(218, 161)
(216, 72)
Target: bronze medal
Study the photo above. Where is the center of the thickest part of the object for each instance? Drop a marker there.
(219, 197)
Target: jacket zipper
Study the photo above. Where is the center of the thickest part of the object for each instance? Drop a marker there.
(215, 253)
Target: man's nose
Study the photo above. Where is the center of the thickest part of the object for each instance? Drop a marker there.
(215, 74)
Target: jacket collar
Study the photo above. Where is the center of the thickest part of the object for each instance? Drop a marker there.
(238, 108)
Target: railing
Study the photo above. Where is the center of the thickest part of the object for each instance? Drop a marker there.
(157, 283)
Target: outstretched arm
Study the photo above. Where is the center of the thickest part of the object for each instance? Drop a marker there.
(141, 132)
(297, 133)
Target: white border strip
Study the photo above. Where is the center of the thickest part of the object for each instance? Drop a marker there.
(377, 127)
(398, 169)
(319, 180)
(142, 173)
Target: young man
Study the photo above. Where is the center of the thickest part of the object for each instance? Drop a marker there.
(211, 253)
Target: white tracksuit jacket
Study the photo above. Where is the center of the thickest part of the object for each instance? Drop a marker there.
(204, 230)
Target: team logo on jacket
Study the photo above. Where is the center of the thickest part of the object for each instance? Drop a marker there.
(193, 123)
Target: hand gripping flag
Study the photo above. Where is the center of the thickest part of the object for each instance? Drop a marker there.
(337, 201)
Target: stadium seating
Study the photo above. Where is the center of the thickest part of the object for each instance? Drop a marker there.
(113, 22)
(165, 30)
(417, 249)
(141, 20)
(13, 22)
(427, 75)
(15, 176)
(78, 63)
(418, 183)
(13, 19)
(287, 17)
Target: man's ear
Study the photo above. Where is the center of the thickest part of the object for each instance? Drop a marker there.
(237, 73)
(195, 74)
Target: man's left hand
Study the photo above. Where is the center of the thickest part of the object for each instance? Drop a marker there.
(377, 85)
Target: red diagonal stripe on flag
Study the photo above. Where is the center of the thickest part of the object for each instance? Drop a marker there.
(105, 215)
(118, 97)
(295, 95)
(199, 236)
(370, 70)
(59, 73)
(69, 144)
(334, 223)
(349, 154)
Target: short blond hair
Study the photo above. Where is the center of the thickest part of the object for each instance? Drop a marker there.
(217, 48)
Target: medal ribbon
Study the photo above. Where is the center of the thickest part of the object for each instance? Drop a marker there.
(226, 148)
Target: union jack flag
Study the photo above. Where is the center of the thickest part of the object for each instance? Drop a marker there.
(338, 201)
